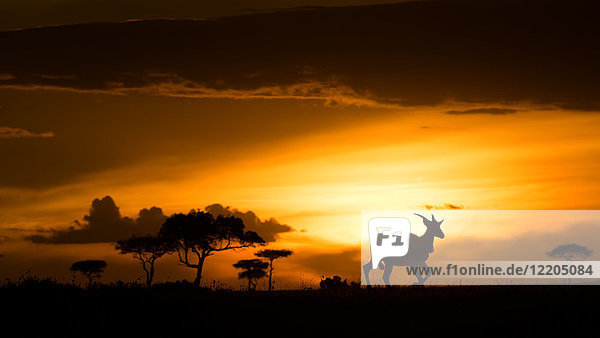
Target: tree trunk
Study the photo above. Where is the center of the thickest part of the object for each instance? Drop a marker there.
(270, 274)
(148, 278)
(150, 275)
(199, 271)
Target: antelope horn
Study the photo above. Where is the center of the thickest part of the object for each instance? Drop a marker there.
(423, 217)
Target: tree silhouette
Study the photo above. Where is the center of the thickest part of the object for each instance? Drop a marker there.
(254, 269)
(570, 252)
(90, 268)
(272, 255)
(146, 249)
(202, 235)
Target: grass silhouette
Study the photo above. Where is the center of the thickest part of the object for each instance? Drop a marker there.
(171, 308)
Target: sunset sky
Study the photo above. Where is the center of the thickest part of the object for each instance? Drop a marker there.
(296, 119)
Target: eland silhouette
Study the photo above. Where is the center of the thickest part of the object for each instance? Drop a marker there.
(419, 249)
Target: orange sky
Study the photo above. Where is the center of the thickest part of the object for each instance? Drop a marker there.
(303, 117)
(318, 182)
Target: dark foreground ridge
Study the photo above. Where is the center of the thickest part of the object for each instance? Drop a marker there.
(175, 309)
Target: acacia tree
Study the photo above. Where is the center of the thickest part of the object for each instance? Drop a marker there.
(146, 249)
(272, 255)
(570, 252)
(92, 269)
(198, 235)
(254, 269)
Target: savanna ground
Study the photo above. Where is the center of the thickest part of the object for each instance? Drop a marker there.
(47, 308)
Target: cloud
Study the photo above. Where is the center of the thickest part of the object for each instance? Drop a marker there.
(331, 93)
(104, 223)
(462, 51)
(268, 229)
(8, 132)
(6, 77)
(447, 206)
(150, 220)
(18, 14)
(490, 111)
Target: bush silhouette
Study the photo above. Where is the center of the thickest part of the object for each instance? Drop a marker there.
(335, 282)
(92, 269)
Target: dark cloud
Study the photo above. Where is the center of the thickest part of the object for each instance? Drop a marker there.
(150, 220)
(35, 13)
(345, 262)
(583, 106)
(104, 223)
(412, 53)
(490, 52)
(268, 229)
(490, 111)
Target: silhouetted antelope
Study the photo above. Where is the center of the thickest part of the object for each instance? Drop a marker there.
(418, 252)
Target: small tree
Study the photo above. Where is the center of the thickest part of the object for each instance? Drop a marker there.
(272, 255)
(202, 235)
(254, 269)
(146, 249)
(570, 252)
(92, 269)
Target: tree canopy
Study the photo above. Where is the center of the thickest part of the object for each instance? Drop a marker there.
(570, 252)
(272, 255)
(200, 234)
(146, 249)
(254, 269)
